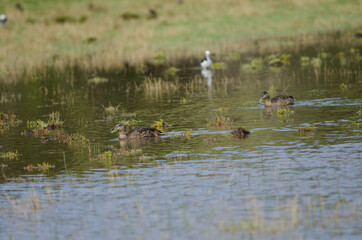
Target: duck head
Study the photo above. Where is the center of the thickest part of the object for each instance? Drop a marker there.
(264, 96)
(119, 128)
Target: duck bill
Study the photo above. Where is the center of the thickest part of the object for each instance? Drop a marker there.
(261, 100)
(114, 130)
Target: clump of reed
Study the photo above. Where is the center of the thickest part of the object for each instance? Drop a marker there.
(97, 80)
(172, 71)
(160, 124)
(72, 138)
(44, 167)
(8, 120)
(9, 155)
(186, 135)
(40, 127)
(110, 109)
(353, 125)
(222, 109)
(219, 121)
(284, 112)
(306, 129)
(128, 123)
(156, 87)
(109, 155)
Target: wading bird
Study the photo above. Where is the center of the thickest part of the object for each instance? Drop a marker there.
(3, 19)
(206, 62)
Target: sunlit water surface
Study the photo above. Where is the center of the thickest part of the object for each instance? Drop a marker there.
(196, 182)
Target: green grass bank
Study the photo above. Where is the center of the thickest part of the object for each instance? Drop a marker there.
(106, 34)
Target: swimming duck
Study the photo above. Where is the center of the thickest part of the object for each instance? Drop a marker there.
(143, 132)
(240, 133)
(280, 100)
(206, 62)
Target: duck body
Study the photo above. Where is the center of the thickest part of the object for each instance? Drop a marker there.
(137, 133)
(280, 100)
(206, 62)
(240, 133)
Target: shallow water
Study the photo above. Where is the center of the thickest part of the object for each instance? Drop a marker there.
(196, 182)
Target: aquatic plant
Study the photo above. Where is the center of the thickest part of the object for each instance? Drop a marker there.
(172, 71)
(107, 155)
(45, 166)
(255, 65)
(316, 62)
(359, 111)
(97, 80)
(233, 56)
(160, 124)
(306, 129)
(186, 135)
(10, 154)
(72, 138)
(305, 60)
(272, 91)
(39, 127)
(278, 61)
(158, 59)
(222, 109)
(111, 110)
(353, 125)
(128, 123)
(54, 121)
(8, 120)
(220, 121)
(284, 112)
(218, 65)
(156, 87)
(210, 139)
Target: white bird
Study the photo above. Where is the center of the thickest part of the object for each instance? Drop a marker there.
(206, 62)
(3, 19)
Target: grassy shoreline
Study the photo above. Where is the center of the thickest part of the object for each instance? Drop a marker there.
(98, 37)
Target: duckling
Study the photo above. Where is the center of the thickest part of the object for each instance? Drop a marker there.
(143, 132)
(206, 62)
(280, 100)
(240, 133)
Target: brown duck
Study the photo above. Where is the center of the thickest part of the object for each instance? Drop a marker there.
(240, 133)
(143, 132)
(280, 100)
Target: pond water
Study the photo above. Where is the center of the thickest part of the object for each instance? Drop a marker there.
(196, 182)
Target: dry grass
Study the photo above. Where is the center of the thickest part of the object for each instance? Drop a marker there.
(67, 33)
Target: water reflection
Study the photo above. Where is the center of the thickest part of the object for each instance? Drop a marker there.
(207, 74)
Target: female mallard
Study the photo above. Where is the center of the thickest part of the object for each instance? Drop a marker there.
(143, 132)
(240, 133)
(280, 100)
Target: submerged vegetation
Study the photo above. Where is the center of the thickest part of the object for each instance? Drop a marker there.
(8, 120)
(9, 155)
(41, 127)
(219, 121)
(44, 167)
